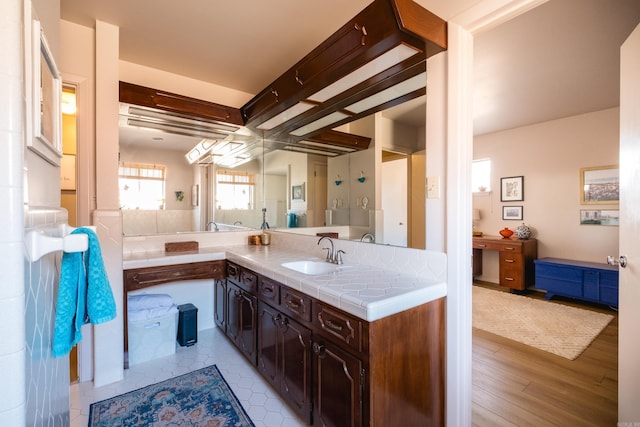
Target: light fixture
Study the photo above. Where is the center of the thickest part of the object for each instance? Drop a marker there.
(177, 128)
(376, 60)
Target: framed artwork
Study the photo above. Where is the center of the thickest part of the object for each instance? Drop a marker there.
(512, 189)
(297, 192)
(46, 91)
(512, 212)
(600, 217)
(600, 185)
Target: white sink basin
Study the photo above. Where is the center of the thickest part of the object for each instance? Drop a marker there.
(311, 268)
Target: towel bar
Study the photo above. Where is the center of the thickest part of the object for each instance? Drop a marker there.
(38, 244)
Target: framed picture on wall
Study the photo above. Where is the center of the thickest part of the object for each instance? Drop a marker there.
(46, 92)
(600, 217)
(512, 189)
(512, 212)
(600, 185)
(297, 192)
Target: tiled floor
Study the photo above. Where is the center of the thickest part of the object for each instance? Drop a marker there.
(260, 401)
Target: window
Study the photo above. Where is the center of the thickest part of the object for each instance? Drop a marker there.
(234, 189)
(142, 186)
(481, 175)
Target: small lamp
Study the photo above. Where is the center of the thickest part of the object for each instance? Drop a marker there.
(476, 217)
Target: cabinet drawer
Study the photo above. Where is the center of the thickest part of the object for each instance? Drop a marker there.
(269, 291)
(497, 245)
(341, 326)
(562, 287)
(248, 281)
(511, 260)
(296, 304)
(233, 273)
(557, 272)
(140, 278)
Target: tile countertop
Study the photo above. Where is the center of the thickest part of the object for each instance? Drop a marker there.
(367, 292)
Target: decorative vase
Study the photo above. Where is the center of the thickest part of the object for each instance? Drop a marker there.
(506, 233)
(523, 232)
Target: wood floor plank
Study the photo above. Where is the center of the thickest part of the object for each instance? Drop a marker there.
(514, 384)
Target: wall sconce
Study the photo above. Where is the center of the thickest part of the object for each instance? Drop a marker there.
(362, 178)
(338, 180)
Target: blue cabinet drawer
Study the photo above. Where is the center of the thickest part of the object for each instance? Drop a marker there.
(558, 286)
(559, 272)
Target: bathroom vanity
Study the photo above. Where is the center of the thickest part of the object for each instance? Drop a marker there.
(360, 346)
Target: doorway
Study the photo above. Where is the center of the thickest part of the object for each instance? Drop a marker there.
(68, 190)
(394, 198)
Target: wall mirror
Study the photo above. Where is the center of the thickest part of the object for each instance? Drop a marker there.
(375, 195)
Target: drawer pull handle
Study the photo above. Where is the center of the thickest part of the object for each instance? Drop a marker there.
(333, 326)
(482, 246)
(294, 304)
(268, 290)
(511, 279)
(509, 248)
(509, 260)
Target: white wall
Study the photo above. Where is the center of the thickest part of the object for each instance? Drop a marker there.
(549, 155)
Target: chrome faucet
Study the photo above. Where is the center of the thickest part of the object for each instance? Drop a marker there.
(368, 238)
(215, 226)
(332, 256)
(237, 223)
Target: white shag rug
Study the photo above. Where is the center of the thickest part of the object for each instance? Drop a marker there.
(559, 329)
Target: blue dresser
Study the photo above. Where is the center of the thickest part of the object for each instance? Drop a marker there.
(589, 281)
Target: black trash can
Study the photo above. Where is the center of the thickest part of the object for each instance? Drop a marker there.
(187, 324)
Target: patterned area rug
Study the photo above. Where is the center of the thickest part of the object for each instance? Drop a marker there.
(559, 329)
(199, 398)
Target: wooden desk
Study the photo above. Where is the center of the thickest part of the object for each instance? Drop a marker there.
(516, 259)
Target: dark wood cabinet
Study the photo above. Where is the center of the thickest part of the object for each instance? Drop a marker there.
(333, 368)
(242, 312)
(338, 379)
(284, 357)
(220, 303)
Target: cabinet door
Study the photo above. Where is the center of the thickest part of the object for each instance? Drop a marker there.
(241, 322)
(220, 303)
(338, 378)
(295, 366)
(268, 348)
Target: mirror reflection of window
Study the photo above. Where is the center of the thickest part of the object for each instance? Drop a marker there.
(234, 190)
(142, 186)
(481, 175)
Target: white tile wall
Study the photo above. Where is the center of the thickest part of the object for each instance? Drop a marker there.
(47, 378)
(12, 336)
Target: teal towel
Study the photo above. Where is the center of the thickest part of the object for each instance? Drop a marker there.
(84, 294)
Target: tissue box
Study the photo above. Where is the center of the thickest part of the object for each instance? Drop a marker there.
(152, 338)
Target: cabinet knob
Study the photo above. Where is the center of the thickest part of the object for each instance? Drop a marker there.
(318, 349)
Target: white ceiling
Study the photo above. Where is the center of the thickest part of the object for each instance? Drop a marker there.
(558, 60)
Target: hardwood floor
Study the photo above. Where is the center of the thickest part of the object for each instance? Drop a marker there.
(518, 385)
